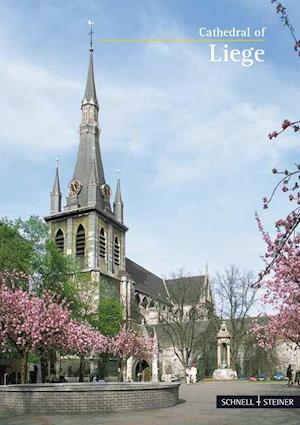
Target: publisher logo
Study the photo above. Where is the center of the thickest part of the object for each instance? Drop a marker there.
(258, 401)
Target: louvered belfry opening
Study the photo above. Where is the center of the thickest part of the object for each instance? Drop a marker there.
(102, 244)
(80, 241)
(117, 252)
(60, 240)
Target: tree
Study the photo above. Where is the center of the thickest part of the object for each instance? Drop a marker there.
(236, 295)
(103, 315)
(15, 251)
(182, 320)
(28, 323)
(288, 178)
(129, 344)
(83, 341)
(280, 276)
(110, 316)
(25, 246)
(282, 290)
(257, 359)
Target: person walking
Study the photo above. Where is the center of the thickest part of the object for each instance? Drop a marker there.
(188, 374)
(289, 374)
(194, 373)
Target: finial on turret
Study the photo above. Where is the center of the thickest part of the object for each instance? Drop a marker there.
(55, 205)
(118, 204)
(91, 23)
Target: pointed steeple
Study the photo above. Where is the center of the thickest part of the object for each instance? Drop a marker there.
(90, 95)
(89, 155)
(118, 204)
(55, 197)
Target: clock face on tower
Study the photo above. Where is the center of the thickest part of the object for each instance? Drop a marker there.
(74, 187)
(106, 191)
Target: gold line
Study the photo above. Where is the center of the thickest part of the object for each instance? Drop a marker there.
(187, 40)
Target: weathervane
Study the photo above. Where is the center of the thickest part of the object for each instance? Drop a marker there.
(91, 23)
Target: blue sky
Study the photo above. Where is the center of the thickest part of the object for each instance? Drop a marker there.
(189, 136)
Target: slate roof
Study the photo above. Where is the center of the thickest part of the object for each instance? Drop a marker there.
(186, 288)
(89, 168)
(56, 185)
(146, 282)
(90, 89)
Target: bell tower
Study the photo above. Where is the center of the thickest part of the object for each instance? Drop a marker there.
(87, 228)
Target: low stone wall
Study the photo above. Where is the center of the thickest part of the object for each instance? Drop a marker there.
(78, 398)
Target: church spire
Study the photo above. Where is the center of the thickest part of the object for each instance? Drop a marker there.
(118, 204)
(55, 197)
(90, 95)
(89, 155)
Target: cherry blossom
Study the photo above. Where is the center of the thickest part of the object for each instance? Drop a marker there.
(83, 340)
(281, 280)
(128, 343)
(28, 323)
(282, 11)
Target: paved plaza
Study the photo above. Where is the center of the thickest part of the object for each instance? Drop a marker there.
(197, 406)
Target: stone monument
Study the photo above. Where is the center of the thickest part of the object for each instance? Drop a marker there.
(223, 371)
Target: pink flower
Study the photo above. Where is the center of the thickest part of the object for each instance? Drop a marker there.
(273, 134)
(286, 124)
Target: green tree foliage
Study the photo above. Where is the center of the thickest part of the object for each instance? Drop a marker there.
(110, 316)
(25, 245)
(96, 303)
(258, 359)
(16, 252)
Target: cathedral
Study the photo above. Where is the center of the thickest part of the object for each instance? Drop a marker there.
(92, 230)
(90, 227)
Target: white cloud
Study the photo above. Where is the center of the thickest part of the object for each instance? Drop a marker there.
(37, 111)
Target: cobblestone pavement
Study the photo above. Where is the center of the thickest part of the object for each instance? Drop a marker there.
(197, 407)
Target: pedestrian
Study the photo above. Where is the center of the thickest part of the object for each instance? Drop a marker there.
(188, 374)
(289, 374)
(194, 373)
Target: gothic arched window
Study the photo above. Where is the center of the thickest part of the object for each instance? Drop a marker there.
(117, 251)
(80, 241)
(102, 244)
(144, 303)
(59, 239)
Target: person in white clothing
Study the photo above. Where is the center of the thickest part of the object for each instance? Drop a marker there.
(193, 373)
(188, 374)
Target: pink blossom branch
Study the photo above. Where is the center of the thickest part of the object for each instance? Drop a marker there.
(286, 124)
(280, 9)
(279, 243)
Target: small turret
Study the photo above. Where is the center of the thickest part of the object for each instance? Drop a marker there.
(118, 204)
(55, 197)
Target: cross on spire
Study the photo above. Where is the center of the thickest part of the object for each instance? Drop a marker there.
(91, 23)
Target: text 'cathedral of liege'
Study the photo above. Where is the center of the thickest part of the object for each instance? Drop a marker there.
(90, 230)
